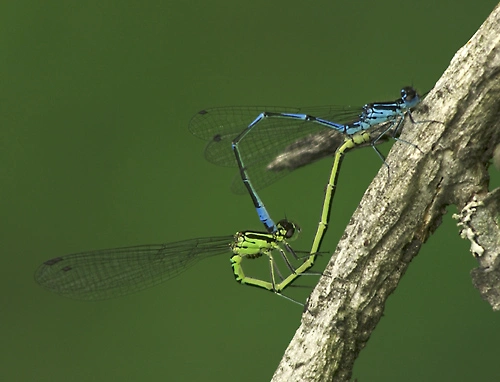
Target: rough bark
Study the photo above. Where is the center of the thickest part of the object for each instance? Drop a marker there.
(396, 216)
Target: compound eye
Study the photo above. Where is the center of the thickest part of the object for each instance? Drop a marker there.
(408, 94)
(290, 232)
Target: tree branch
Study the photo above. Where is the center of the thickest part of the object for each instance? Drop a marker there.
(396, 216)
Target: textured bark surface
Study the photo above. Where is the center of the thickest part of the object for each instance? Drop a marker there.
(397, 215)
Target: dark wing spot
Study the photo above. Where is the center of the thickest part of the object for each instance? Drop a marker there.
(53, 261)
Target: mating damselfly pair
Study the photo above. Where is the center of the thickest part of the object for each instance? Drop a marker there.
(255, 139)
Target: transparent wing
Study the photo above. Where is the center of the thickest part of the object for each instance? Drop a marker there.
(103, 274)
(267, 140)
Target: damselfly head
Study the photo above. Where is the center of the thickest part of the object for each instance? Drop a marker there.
(288, 229)
(410, 97)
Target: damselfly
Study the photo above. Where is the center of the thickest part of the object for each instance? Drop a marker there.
(108, 273)
(257, 142)
(260, 144)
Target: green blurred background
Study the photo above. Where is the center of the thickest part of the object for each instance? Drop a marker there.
(95, 153)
